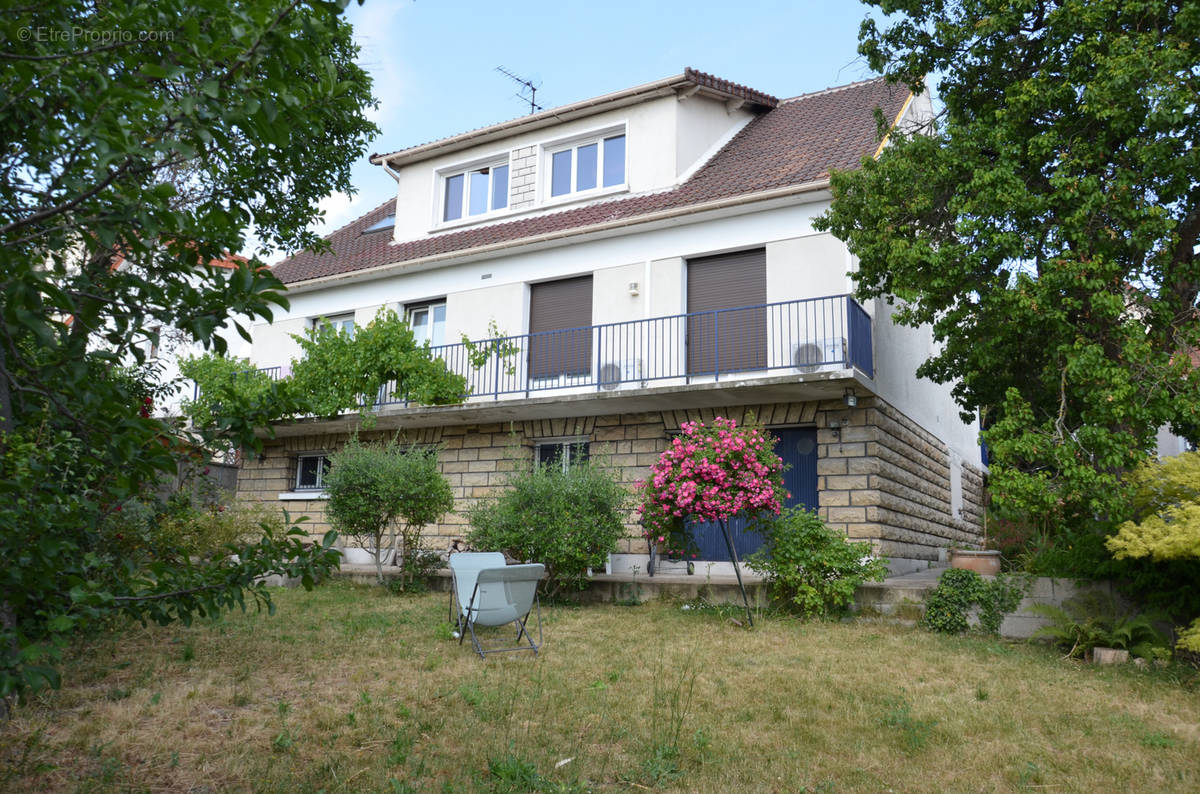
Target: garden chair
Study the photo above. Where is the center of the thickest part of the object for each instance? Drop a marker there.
(505, 595)
(464, 567)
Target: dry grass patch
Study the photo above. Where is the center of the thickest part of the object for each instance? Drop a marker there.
(350, 689)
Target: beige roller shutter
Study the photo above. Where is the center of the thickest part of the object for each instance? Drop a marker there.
(560, 313)
(726, 294)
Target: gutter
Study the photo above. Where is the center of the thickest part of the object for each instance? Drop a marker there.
(563, 234)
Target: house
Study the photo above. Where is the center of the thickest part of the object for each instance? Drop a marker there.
(173, 345)
(650, 258)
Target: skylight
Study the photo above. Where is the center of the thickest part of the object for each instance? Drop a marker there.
(378, 226)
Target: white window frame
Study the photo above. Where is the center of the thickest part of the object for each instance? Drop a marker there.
(336, 321)
(409, 309)
(443, 175)
(567, 443)
(573, 144)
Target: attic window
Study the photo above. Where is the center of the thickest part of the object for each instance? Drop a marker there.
(474, 191)
(595, 163)
(388, 222)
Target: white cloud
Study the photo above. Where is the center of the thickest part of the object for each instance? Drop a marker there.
(376, 31)
(339, 208)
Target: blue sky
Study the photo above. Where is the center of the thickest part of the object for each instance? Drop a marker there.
(434, 61)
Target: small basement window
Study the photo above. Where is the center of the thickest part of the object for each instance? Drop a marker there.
(311, 470)
(560, 453)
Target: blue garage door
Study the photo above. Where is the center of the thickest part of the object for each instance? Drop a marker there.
(797, 447)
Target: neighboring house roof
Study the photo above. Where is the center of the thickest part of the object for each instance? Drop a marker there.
(798, 142)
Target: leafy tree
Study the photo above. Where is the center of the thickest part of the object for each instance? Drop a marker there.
(1165, 527)
(381, 493)
(140, 140)
(1046, 226)
(569, 521)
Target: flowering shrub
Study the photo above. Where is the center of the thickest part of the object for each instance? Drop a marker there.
(709, 473)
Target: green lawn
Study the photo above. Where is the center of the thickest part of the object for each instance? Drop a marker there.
(351, 689)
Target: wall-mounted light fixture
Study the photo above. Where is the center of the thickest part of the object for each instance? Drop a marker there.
(850, 398)
(633, 289)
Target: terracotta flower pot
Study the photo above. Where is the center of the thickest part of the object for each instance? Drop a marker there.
(982, 562)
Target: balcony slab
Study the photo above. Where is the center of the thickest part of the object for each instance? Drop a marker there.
(730, 390)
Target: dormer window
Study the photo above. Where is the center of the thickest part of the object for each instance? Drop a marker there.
(475, 191)
(593, 163)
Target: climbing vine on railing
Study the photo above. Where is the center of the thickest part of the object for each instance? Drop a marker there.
(338, 373)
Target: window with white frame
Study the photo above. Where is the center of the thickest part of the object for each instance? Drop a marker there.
(311, 468)
(428, 322)
(595, 163)
(338, 323)
(560, 452)
(474, 191)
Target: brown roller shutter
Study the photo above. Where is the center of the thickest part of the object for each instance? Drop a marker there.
(727, 341)
(560, 316)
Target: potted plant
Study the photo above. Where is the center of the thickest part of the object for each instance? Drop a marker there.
(985, 562)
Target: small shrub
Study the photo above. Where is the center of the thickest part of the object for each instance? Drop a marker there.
(569, 521)
(1166, 529)
(958, 591)
(1093, 619)
(207, 531)
(380, 493)
(810, 567)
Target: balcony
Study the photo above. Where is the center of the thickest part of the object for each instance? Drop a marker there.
(764, 352)
(801, 337)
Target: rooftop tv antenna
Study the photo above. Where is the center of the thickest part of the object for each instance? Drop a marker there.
(526, 85)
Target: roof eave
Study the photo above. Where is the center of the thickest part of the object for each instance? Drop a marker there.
(553, 116)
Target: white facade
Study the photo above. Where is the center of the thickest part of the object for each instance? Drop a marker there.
(638, 270)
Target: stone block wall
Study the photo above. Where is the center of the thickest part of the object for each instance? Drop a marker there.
(879, 476)
(522, 189)
(883, 478)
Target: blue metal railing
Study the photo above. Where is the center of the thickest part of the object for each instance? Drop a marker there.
(801, 336)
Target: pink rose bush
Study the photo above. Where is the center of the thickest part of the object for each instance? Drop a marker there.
(709, 473)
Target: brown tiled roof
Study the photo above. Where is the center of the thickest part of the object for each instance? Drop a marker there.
(800, 141)
(729, 87)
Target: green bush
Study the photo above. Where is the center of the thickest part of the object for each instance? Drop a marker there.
(381, 494)
(958, 591)
(1093, 619)
(569, 521)
(196, 521)
(810, 567)
(207, 531)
